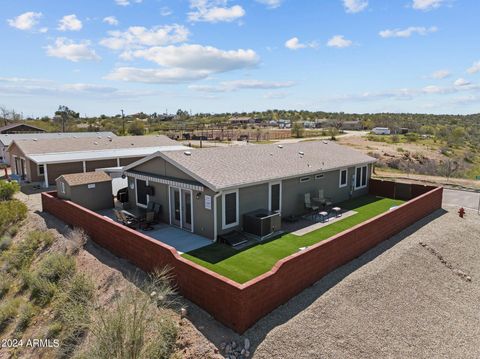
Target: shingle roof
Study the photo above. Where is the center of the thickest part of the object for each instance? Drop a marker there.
(69, 145)
(13, 125)
(77, 179)
(7, 139)
(228, 167)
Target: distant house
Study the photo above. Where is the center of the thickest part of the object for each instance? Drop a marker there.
(20, 128)
(309, 124)
(44, 160)
(381, 130)
(354, 125)
(284, 123)
(7, 139)
(212, 191)
(241, 120)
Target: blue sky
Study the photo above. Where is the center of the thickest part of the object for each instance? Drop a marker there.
(225, 55)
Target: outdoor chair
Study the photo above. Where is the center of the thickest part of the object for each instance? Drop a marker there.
(127, 220)
(313, 209)
(146, 223)
(323, 200)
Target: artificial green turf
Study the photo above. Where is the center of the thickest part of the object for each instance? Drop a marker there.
(243, 265)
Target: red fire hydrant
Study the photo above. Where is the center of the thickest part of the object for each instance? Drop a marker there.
(461, 212)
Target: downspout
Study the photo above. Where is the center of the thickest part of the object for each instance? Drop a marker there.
(215, 214)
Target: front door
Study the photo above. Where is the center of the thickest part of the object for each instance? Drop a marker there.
(187, 210)
(175, 212)
(181, 208)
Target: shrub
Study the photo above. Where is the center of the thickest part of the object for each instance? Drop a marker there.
(5, 243)
(8, 189)
(5, 285)
(42, 290)
(76, 240)
(11, 212)
(27, 312)
(8, 311)
(56, 266)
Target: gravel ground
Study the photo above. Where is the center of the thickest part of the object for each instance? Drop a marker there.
(414, 296)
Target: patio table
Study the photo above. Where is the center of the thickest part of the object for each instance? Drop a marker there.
(134, 213)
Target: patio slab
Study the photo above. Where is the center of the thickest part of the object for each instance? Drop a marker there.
(313, 227)
(183, 241)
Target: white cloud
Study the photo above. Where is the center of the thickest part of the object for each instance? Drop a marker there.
(426, 4)
(198, 57)
(138, 36)
(339, 41)
(432, 89)
(214, 11)
(441, 74)
(271, 4)
(461, 82)
(155, 76)
(409, 31)
(25, 21)
(235, 85)
(275, 95)
(72, 51)
(127, 2)
(354, 6)
(295, 44)
(110, 20)
(474, 68)
(69, 23)
(166, 11)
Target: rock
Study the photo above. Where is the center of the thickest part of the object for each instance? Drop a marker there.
(223, 345)
(228, 349)
(153, 294)
(234, 345)
(468, 278)
(247, 354)
(183, 312)
(243, 352)
(215, 351)
(247, 344)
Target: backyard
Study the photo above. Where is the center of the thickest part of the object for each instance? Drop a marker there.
(244, 265)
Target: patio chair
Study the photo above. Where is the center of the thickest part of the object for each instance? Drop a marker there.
(127, 220)
(312, 208)
(146, 223)
(326, 202)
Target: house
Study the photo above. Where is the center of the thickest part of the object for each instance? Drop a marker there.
(381, 130)
(20, 128)
(92, 190)
(7, 139)
(241, 120)
(354, 125)
(284, 123)
(44, 160)
(209, 191)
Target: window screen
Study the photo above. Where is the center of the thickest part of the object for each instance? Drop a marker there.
(230, 208)
(142, 192)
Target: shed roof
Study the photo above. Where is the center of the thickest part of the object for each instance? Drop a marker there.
(222, 168)
(6, 139)
(13, 125)
(78, 179)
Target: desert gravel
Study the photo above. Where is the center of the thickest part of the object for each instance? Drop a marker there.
(416, 295)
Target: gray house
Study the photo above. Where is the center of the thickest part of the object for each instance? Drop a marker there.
(209, 191)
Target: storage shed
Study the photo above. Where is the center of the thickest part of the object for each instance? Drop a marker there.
(92, 190)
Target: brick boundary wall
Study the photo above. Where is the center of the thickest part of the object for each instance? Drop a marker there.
(236, 305)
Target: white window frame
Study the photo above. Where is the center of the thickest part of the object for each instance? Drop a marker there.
(279, 197)
(136, 195)
(305, 179)
(38, 170)
(340, 185)
(319, 176)
(364, 167)
(237, 222)
(62, 188)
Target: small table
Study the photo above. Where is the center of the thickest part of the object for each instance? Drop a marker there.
(324, 216)
(337, 211)
(134, 213)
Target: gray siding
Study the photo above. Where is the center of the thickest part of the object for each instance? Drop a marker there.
(94, 199)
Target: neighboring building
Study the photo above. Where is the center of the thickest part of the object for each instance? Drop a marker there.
(381, 130)
(44, 160)
(20, 128)
(241, 120)
(7, 139)
(284, 123)
(209, 191)
(354, 125)
(92, 190)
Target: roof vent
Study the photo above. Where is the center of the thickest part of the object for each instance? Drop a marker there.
(35, 139)
(301, 153)
(325, 142)
(187, 153)
(95, 143)
(280, 146)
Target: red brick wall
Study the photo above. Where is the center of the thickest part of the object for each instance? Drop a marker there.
(241, 305)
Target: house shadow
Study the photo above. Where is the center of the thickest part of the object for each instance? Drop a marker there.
(216, 332)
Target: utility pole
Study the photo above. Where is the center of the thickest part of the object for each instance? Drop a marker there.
(123, 123)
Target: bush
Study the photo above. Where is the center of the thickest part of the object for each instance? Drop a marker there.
(42, 290)
(5, 243)
(5, 285)
(11, 212)
(27, 312)
(8, 311)
(8, 189)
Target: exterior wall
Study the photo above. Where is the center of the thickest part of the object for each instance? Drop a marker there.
(161, 167)
(93, 165)
(127, 161)
(4, 157)
(240, 305)
(56, 170)
(94, 199)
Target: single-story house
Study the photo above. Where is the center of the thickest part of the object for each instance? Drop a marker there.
(209, 191)
(20, 128)
(7, 139)
(381, 130)
(44, 160)
(92, 190)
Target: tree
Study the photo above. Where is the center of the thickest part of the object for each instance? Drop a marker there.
(136, 128)
(297, 129)
(4, 114)
(64, 115)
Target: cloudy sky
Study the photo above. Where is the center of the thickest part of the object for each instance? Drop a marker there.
(238, 55)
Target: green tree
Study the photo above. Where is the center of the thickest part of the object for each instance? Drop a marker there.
(136, 128)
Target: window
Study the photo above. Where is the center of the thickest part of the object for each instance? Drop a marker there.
(319, 176)
(275, 197)
(40, 170)
(304, 179)
(361, 177)
(230, 209)
(343, 178)
(62, 187)
(142, 197)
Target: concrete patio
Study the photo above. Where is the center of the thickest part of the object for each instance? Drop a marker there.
(183, 241)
